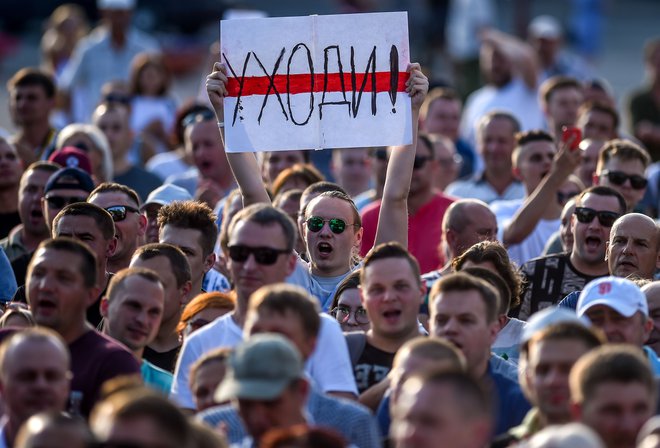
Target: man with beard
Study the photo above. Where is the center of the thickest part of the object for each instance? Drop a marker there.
(549, 279)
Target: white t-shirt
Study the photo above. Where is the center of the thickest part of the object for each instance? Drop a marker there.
(329, 366)
(507, 344)
(533, 245)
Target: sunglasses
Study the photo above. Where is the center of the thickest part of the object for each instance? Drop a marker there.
(586, 215)
(619, 178)
(337, 226)
(118, 212)
(342, 313)
(200, 115)
(562, 197)
(420, 161)
(61, 201)
(263, 255)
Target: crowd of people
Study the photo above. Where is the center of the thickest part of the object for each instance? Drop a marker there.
(491, 284)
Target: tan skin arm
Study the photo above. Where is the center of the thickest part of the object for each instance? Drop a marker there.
(243, 165)
(394, 205)
(525, 220)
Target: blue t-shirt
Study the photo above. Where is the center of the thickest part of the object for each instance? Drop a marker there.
(156, 377)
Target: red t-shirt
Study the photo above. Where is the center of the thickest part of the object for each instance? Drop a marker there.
(424, 231)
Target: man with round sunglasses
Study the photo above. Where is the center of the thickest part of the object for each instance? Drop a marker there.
(622, 165)
(123, 204)
(330, 253)
(550, 278)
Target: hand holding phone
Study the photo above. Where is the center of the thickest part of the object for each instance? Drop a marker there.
(571, 135)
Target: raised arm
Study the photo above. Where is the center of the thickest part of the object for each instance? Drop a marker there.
(243, 165)
(520, 54)
(394, 205)
(528, 216)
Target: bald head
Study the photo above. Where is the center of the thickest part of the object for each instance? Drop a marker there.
(633, 246)
(467, 222)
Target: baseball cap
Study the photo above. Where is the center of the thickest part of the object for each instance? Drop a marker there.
(72, 157)
(115, 4)
(544, 27)
(166, 194)
(261, 368)
(69, 179)
(546, 317)
(618, 293)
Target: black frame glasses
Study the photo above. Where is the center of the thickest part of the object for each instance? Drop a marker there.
(586, 215)
(119, 212)
(63, 201)
(263, 255)
(342, 313)
(637, 182)
(316, 223)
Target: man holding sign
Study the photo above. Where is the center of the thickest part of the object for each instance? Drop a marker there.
(333, 229)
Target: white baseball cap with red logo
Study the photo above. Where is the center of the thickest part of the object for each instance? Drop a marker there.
(620, 294)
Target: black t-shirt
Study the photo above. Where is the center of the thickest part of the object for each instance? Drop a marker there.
(164, 360)
(7, 222)
(548, 280)
(372, 366)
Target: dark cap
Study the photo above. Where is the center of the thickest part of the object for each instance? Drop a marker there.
(70, 179)
(72, 157)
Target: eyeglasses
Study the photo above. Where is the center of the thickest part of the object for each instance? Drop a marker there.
(420, 161)
(62, 201)
(337, 226)
(342, 313)
(562, 197)
(198, 115)
(262, 255)
(118, 212)
(619, 178)
(586, 215)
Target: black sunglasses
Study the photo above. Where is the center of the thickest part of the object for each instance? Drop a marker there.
(199, 115)
(262, 255)
(420, 161)
(337, 226)
(562, 197)
(118, 212)
(586, 215)
(61, 201)
(619, 178)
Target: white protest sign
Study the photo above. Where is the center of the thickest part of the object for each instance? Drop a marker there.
(334, 81)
